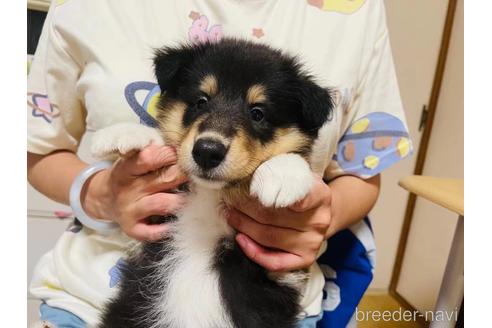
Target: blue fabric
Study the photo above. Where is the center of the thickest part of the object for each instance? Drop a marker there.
(64, 319)
(60, 318)
(310, 322)
(348, 267)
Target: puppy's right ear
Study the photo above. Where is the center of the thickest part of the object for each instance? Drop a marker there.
(168, 61)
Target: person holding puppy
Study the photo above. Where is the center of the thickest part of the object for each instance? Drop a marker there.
(85, 78)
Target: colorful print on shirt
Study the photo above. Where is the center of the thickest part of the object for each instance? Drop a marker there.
(199, 32)
(339, 6)
(147, 110)
(42, 107)
(372, 144)
(258, 33)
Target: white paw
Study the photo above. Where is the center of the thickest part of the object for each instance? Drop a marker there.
(122, 138)
(282, 180)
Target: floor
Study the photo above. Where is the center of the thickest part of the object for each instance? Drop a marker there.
(374, 307)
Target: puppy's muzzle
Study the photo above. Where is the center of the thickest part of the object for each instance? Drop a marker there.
(208, 153)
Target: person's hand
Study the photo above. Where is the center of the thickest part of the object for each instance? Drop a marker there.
(284, 239)
(134, 188)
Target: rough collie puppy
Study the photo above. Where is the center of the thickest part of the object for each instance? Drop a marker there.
(246, 120)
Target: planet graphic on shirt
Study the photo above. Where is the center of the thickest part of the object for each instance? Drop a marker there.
(340, 6)
(373, 143)
(42, 107)
(146, 109)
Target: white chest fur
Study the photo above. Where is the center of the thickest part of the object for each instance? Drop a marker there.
(192, 297)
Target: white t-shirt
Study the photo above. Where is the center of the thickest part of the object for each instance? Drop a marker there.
(93, 68)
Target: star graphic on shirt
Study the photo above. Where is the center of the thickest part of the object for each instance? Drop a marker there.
(42, 107)
(194, 15)
(258, 32)
(316, 3)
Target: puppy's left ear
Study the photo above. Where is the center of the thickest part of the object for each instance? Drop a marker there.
(168, 61)
(317, 104)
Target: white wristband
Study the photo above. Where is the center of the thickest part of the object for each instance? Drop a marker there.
(78, 210)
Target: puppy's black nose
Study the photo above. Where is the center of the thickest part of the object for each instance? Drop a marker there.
(208, 153)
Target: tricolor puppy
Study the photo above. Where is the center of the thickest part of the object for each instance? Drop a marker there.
(246, 120)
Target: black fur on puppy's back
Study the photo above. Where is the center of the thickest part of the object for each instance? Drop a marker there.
(251, 298)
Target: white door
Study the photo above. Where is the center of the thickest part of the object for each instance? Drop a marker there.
(432, 228)
(415, 29)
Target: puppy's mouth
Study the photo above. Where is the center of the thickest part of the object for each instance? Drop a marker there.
(208, 179)
(208, 182)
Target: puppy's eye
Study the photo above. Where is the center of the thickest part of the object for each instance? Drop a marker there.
(257, 114)
(201, 102)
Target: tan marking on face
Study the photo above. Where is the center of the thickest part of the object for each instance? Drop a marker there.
(170, 121)
(240, 160)
(209, 85)
(234, 194)
(246, 154)
(286, 140)
(184, 149)
(256, 94)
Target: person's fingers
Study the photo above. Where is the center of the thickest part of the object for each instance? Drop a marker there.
(150, 159)
(285, 239)
(272, 260)
(282, 217)
(142, 231)
(266, 235)
(266, 215)
(320, 193)
(318, 199)
(166, 178)
(158, 204)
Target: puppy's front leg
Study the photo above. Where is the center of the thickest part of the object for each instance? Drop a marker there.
(282, 180)
(122, 138)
